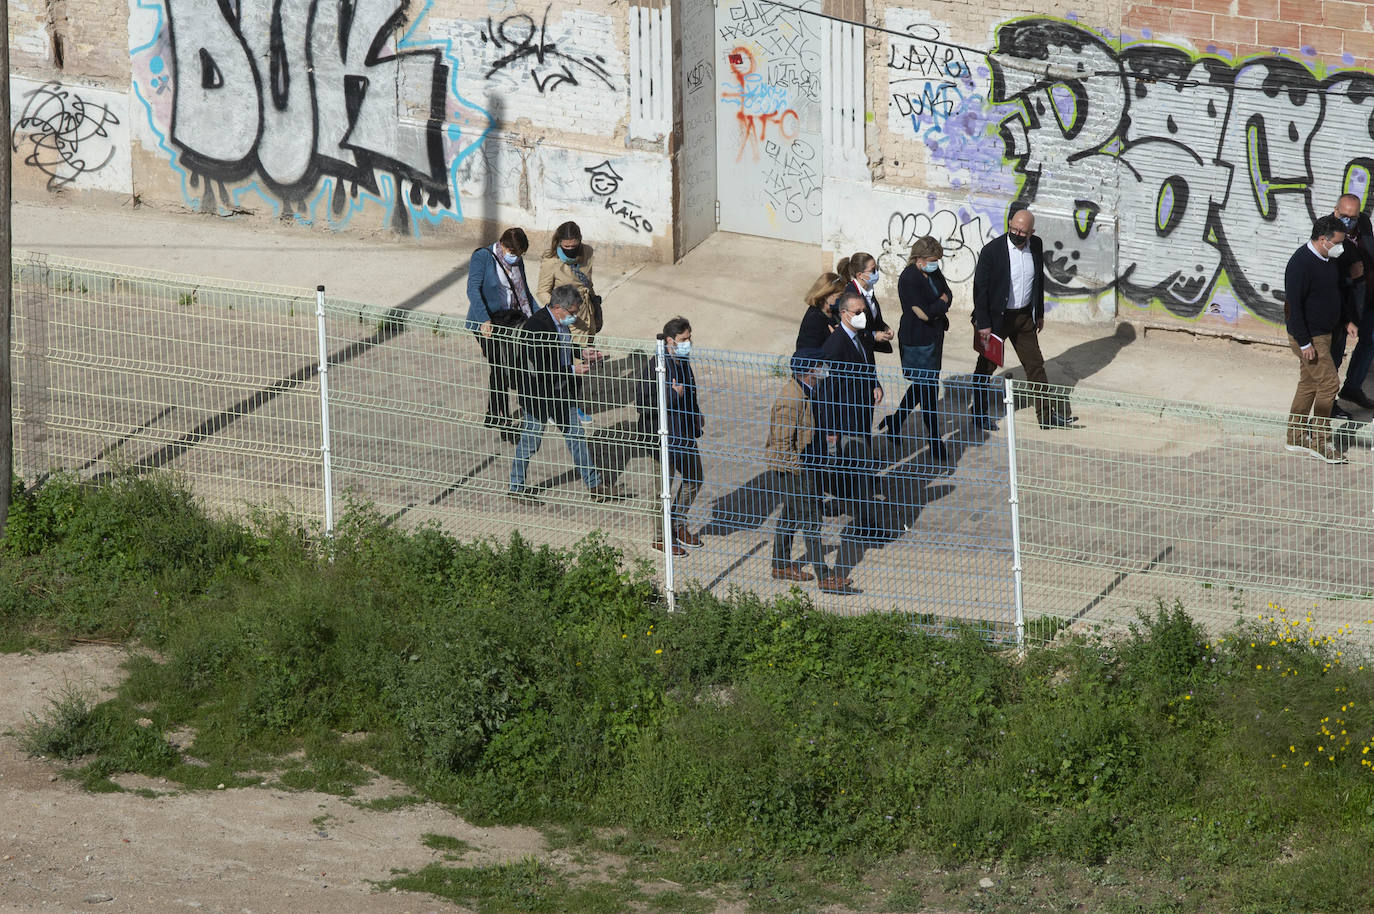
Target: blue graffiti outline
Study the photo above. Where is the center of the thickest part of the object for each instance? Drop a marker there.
(388, 198)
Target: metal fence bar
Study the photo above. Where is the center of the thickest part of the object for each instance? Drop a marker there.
(665, 472)
(325, 456)
(1014, 500)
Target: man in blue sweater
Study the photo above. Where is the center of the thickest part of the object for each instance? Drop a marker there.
(1314, 309)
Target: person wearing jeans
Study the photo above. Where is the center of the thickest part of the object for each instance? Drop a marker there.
(925, 298)
(546, 395)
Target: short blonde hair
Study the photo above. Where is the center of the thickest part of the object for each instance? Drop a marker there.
(926, 247)
(826, 285)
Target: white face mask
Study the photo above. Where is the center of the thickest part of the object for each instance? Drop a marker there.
(1336, 251)
(858, 321)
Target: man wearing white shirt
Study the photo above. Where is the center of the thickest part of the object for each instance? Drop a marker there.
(1009, 300)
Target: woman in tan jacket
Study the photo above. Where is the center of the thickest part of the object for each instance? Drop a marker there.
(569, 263)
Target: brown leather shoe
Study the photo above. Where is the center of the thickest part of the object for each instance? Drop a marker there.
(791, 573)
(677, 550)
(839, 585)
(685, 536)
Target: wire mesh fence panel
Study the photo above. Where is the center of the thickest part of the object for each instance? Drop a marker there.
(1155, 500)
(415, 432)
(140, 371)
(898, 530)
(524, 430)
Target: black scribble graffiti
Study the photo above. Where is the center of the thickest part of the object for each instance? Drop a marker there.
(785, 42)
(520, 39)
(790, 181)
(604, 181)
(66, 133)
(962, 235)
(699, 76)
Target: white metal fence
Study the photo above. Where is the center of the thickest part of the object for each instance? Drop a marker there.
(1151, 500)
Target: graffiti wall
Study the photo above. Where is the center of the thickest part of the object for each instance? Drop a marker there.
(1174, 161)
(1212, 170)
(382, 113)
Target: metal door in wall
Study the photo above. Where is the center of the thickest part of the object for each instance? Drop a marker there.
(768, 119)
(698, 99)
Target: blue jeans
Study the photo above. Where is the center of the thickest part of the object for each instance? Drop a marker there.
(921, 366)
(532, 435)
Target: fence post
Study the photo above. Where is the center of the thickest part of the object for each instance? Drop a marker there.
(324, 415)
(1014, 499)
(665, 473)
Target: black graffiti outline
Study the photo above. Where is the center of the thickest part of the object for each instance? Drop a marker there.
(57, 136)
(541, 51)
(431, 180)
(1222, 167)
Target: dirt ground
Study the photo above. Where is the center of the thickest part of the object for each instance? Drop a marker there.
(246, 850)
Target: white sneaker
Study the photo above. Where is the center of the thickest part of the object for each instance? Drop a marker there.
(1328, 453)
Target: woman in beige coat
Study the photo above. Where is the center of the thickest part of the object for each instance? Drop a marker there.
(569, 263)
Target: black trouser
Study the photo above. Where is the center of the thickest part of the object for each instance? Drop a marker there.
(500, 374)
(801, 510)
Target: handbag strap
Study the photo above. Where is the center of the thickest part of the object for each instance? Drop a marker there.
(581, 276)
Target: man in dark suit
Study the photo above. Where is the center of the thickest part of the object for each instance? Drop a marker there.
(852, 390)
(547, 392)
(844, 408)
(1009, 300)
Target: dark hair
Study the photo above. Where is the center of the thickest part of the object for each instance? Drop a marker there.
(515, 241)
(847, 296)
(567, 296)
(675, 327)
(1327, 226)
(568, 231)
(853, 265)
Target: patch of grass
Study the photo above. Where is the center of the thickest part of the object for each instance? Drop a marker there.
(446, 843)
(390, 803)
(525, 887)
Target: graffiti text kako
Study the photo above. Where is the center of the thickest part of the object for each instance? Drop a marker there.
(519, 40)
(66, 135)
(295, 89)
(1222, 174)
(604, 182)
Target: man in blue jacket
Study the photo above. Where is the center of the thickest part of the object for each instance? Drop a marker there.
(499, 301)
(1314, 309)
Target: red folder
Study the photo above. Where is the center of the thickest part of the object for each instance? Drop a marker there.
(994, 350)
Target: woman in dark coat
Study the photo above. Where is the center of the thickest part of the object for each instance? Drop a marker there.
(925, 298)
(860, 271)
(819, 318)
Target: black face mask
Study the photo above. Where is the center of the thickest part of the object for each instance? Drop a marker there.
(1018, 240)
(574, 252)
